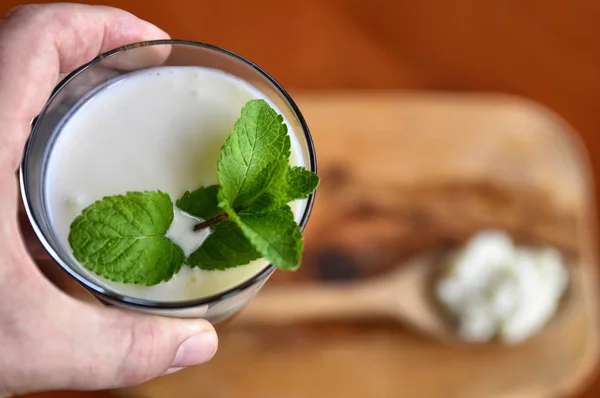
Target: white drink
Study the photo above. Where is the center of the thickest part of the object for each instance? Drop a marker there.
(158, 129)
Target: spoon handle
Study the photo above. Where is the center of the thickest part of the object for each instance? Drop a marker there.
(285, 305)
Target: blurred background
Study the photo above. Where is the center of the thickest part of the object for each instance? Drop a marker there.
(419, 149)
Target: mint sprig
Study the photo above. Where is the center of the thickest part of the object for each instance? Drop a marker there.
(123, 238)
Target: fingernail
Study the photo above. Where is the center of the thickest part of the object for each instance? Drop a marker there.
(196, 350)
(170, 371)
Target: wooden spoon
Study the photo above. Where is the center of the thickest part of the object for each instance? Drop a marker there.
(403, 294)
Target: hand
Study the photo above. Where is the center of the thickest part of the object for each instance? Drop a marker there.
(49, 340)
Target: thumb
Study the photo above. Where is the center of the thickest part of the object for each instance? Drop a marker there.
(131, 348)
(80, 346)
(142, 347)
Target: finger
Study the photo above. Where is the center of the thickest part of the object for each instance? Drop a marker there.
(37, 43)
(90, 348)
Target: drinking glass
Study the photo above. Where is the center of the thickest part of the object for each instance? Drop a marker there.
(80, 85)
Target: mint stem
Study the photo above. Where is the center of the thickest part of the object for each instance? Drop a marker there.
(215, 220)
(208, 223)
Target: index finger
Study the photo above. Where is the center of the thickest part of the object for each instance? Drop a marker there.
(38, 43)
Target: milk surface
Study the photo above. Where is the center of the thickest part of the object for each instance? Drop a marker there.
(157, 129)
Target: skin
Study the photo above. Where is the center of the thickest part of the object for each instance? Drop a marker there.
(49, 340)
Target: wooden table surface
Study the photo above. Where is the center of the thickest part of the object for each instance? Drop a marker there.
(546, 50)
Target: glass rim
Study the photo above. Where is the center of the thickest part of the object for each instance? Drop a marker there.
(97, 289)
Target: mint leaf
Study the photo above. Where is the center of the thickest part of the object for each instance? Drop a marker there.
(274, 234)
(273, 190)
(122, 238)
(258, 141)
(288, 184)
(201, 203)
(226, 247)
(300, 183)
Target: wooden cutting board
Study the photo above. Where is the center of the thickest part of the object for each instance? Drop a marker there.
(403, 173)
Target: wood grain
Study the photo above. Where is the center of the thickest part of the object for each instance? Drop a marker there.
(455, 164)
(545, 50)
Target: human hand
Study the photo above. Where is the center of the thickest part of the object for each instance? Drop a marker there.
(49, 340)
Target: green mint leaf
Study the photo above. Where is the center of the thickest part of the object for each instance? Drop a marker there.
(122, 238)
(225, 247)
(258, 141)
(201, 203)
(272, 195)
(297, 183)
(300, 183)
(275, 235)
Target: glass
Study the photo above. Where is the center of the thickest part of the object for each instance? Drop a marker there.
(82, 83)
